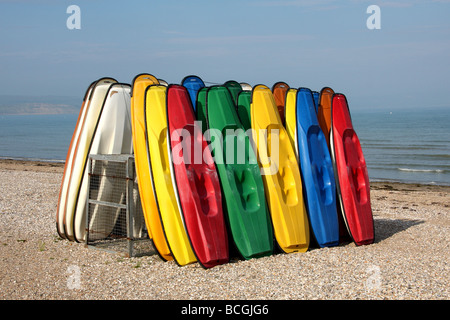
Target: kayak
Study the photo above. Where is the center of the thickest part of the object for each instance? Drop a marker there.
(80, 154)
(163, 82)
(291, 122)
(196, 180)
(324, 111)
(352, 180)
(243, 108)
(317, 172)
(235, 88)
(245, 86)
(281, 173)
(316, 96)
(193, 84)
(279, 90)
(142, 164)
(242, 186)
(60, 212)
(324, 118)
(201, 108)
(112, 136)
(166, 201)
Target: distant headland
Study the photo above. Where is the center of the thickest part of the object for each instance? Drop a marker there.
(23, 105)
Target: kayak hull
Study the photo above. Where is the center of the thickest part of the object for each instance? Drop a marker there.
(80, 154)
(193, 84)
(142, 164)
(281, 175)
(68, 163)
(112, 136)
(241, 181)
(317, 172)
(351, 174)
(324, 111)
(166, 201)
(279, 90)
(243, 109)
(197, 181)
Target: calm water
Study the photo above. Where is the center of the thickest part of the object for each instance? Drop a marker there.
(411, 146)
(44, 137)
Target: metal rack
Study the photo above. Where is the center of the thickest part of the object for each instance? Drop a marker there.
(115, 220)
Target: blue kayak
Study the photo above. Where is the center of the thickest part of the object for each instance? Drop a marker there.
(193, 84)
(317, 172)
(316, 96)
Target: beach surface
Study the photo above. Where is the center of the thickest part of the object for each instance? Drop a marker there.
(409, 259)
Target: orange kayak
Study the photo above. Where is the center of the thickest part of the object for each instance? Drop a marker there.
(324, 112)
(279, 91)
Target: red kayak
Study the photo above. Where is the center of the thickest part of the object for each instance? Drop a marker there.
(352, 179)
(196, 182)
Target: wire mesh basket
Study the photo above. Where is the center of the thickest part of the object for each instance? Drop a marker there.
(115, 220)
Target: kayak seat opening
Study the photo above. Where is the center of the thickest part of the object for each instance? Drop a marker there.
(246, 187)
(355, 167)
(321, 163)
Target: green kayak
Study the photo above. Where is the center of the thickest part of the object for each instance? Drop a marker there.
(235, 88)
(240, 176)
(243, 108)
(201, 108)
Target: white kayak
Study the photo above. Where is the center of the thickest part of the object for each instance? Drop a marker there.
(112, 136)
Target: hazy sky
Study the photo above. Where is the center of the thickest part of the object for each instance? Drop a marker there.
(311, 43)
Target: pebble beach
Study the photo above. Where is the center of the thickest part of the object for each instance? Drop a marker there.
(409, 259)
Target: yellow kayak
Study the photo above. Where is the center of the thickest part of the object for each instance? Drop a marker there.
(291, 118)
(142, 164)
(281, 173)
(156, 129)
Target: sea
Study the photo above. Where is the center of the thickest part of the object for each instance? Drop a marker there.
(404, 146)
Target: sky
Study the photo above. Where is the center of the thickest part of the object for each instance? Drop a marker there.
(309, 43)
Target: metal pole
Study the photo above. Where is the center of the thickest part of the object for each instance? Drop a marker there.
(87, 200)
(129, 203)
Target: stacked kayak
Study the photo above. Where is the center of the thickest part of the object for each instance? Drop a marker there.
(351, 173)
(196, 181)
(332, 163)
(281, 175)
(240, 177)
(324, 111)
(279, 91)
(235, 88)
(317, 171)
(166, 201)
(243, 108)
(316, 96)
(103, 127)
(290, 110)
(193, 84)
(255, 168)
(143, 170)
